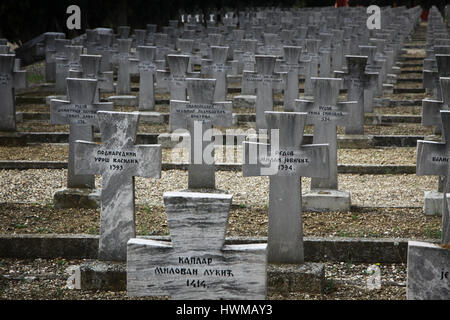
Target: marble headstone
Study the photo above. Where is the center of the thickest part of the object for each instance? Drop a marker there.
(118, 160)
(197, 264)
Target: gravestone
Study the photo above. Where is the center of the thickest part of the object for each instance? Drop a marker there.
(311, 57)
(50, 49)
(7, 98)
(123, 72)
(105, 50)
(200, 114)
(217, 68)
(286, 161)
(174, 80)
(292, 67)
(428, 274)
(197, 264)
(91, 69)
(118, 160)
(61, 58)
(20, 76)
(431, 116)
(433, 159)
(358, 84)
(325, 113)
(80, 112)
(265, 80)
(147, 71)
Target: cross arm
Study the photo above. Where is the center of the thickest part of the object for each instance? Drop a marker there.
(308, 161)
(432, 158)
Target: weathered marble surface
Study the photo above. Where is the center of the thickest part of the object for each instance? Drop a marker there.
(123, 72)
(80, 112)
(433, 159)
(428, 276)
(118, 160)
(7, 100)
(197, 223)
(199, 115)
(285, 163)
(147, 70)
(265, 80)
(325, 113)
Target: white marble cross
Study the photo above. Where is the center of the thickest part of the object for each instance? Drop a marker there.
(118, 160)
(265, 80)
(9, 81)
(197, 264)
(175, 80)
(81, 114)
(123, 72)
(433, 159)
(359, 85)
(147, 69)
(286, 160)
(325, 113)
(200, 113)
(217, 68)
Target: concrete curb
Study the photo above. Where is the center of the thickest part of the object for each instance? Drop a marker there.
(317, 249)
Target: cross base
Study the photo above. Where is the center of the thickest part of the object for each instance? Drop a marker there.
(308, 277)
(77, 198)
(433, 201)
(326, 200)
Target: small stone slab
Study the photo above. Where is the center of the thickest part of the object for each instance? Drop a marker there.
(428, 276)
(197, 265)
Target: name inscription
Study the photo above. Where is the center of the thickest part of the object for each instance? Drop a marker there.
(117, 159)
(195, 269)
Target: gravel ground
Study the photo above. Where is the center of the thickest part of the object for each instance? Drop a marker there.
(59, 152)
(25, 280)
(38, 186)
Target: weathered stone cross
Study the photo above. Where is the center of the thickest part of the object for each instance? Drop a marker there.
(325, 113)
(265, 81)
(200, 114)
(7, 99)
(81, 114)
(217, 68)
(293, 67)
(197, 264)
(358, 84)
(286, 161)
(147, 70)
(118, 160)
(433, 159)
(123, 72)
(175, 79)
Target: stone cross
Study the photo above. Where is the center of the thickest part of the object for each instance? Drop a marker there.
(200, 114)
(118, 160)
(20, 76)
(186, 47)
(147, 69)
(197, 264)
(217, 68)
(286, 161)
(90, 69)
(175, 79)
(293, 66)
(81, 114)
(431, 108)
(358, 84)
(265, 80)
(61, 58)
(7, 98)
(123, 72)
(433, 159)
(325, 113)
(431, 78)
(311, 57)
(105, 50)
(50, 49)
